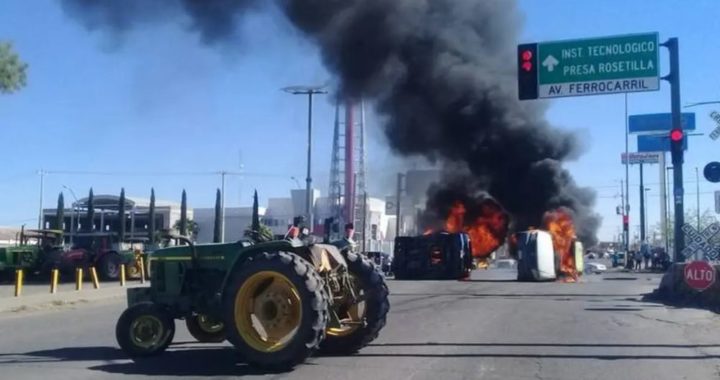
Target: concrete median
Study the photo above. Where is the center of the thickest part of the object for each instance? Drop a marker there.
(675, 290)
(37, 297)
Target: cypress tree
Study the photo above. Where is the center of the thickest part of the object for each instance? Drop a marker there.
(255, 227)
(91, 211)
(151, 216)
(60, 212)
(183, 214)
(218, 216)
(121, 215)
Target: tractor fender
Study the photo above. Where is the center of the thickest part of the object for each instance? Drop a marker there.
(252, 251)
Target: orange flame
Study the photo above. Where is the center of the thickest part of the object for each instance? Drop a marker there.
(560, 225)
(487, 232)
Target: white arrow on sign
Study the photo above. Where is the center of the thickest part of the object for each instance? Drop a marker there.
(550, 62)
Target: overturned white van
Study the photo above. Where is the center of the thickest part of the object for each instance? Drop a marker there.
(535, 256)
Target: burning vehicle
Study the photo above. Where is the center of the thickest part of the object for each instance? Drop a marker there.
(433, 256)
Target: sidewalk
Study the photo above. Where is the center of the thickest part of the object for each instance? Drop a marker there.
(33, 299)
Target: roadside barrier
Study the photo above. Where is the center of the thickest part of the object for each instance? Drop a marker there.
(54, 277)
(18, 282)
(78, 279)
(122, 274)
(93, 275)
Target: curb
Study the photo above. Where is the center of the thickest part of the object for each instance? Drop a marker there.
(59, 300)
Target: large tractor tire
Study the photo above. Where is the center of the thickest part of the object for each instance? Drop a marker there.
(110, 266)
(144, 330)
(205, 329)
(275, 310)
(366, 318)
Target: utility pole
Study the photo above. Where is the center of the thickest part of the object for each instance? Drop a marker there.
(222, 206)
(663, 201)
(667, 212)
(626, 207)
(625, 217)
(397, 204)
(678, 191)
(309, 91)
(40, 212)
(697, 190)
(642, 205)
(364, 230)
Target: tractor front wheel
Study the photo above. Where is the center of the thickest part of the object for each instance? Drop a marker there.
(144, 330)
(275, 310)
(205, 328)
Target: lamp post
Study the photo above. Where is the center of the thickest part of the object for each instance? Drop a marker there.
(309, 91)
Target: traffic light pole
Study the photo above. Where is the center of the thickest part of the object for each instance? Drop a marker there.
(678, 192)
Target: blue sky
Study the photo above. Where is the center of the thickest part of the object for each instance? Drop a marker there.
(157, 104)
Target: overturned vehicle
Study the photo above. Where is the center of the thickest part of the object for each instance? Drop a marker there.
(434, 256)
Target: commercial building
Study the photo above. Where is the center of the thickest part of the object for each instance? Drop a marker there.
(106, 216)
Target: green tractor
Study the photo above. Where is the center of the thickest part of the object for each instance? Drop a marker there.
(31, 253)
(277, 302)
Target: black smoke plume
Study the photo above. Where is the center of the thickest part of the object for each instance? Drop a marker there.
(441, 72)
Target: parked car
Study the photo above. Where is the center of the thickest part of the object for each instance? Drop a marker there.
(593, 267)
(506, 264)
(619, 259)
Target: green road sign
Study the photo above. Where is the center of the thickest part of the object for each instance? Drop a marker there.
(594, 66)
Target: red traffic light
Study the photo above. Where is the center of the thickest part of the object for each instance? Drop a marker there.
(527, 66)
(527, 55)
(676, 135)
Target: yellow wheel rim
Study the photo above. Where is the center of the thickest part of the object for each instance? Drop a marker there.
(268, 311)
(208, 324)
(351, 314)
(147, 331)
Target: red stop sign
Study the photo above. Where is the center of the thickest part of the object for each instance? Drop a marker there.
(699, 275)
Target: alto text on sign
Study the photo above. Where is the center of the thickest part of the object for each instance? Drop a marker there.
(699, 275)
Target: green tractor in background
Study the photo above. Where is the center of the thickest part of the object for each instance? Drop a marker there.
(31, 252)
(277, 302)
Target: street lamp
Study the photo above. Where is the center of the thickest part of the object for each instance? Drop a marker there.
(297, 183)
(309, 91)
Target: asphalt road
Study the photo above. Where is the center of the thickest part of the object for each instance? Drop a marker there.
(488, 328)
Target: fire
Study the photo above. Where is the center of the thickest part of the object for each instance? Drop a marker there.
(560, 225)
(487, 231)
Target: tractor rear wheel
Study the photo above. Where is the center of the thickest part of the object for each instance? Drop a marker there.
(205, 328)
(275, 310)
(144, 330)
(110, 266)
(361, 321)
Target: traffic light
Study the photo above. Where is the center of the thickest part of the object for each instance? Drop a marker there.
(527, 71)
(677, 141)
